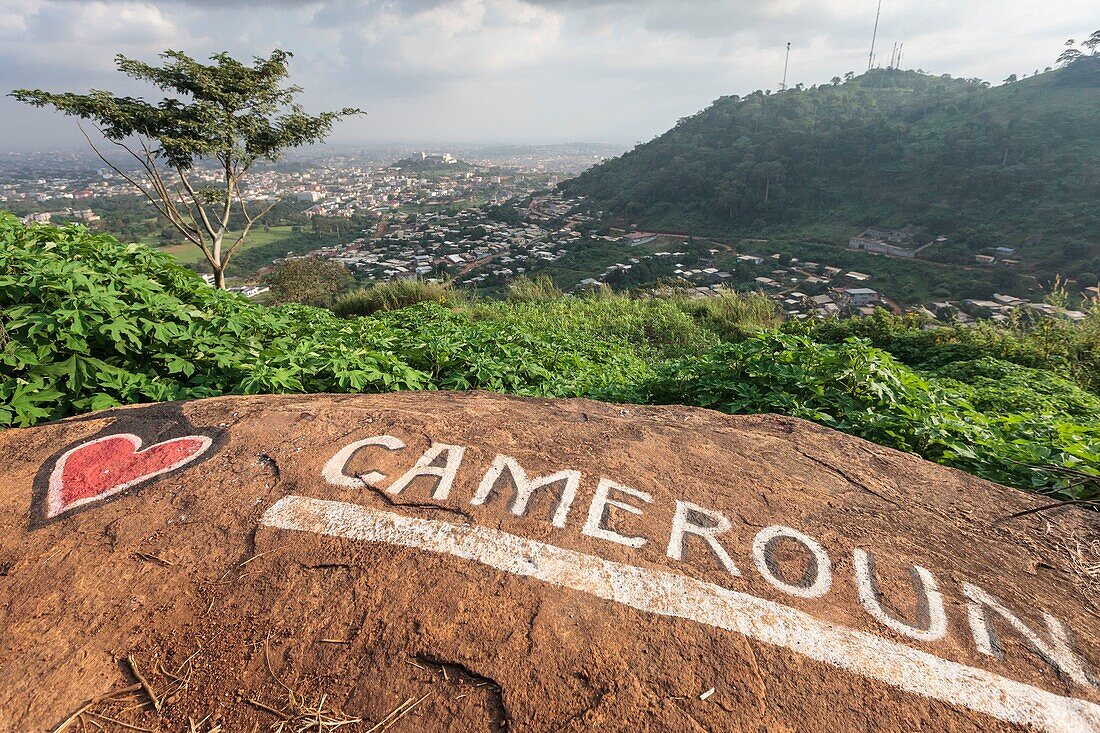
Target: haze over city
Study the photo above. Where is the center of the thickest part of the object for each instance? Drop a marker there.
(515, 71)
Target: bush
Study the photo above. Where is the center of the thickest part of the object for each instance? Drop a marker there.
(527, 289)
(734, 314)
(93, 323)
(864, 391)
(993, 385)
(1067, 349)
(389, 296)
(307, 280)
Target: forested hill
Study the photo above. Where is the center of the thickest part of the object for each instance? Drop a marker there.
(1007, 165)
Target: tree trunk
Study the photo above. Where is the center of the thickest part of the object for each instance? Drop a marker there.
(217, 263)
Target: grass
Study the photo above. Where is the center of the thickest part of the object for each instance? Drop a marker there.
(532, 289)
(734, 314)
(389, 296)
(189, 254)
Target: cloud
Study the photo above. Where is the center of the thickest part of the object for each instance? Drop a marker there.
(531, 70)
(57, 33)
(450, 39)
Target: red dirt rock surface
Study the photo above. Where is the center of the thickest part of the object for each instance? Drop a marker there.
(241, 606)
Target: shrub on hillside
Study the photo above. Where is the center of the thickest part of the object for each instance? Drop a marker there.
(1069, 349)
(735, 314)
(307, 280)
(389, 296)
(533, 289)
(859, 389)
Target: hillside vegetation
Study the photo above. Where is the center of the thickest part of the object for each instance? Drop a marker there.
(88, 323)
(1010, 165)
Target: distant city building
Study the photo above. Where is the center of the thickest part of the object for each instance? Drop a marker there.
(858, 297)
(637, 238)
(889, 242)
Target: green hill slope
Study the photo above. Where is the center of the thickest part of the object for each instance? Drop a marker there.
(1015, 165)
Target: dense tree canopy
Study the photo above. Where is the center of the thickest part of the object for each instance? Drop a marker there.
(888, 147)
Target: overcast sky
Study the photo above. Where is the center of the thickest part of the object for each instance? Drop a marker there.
(524, 71)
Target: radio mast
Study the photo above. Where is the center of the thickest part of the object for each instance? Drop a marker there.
(871, 56)
(783, 84)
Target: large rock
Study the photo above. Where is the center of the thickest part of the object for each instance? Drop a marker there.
(673, 569)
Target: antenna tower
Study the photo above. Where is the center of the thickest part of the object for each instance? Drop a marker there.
(874, 35)
(783, 84)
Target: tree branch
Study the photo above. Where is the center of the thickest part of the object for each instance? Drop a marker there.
(198, 204)
(162, 205)
(249, 221)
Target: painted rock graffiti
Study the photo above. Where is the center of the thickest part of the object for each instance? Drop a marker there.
(104, 467)
(531, 565)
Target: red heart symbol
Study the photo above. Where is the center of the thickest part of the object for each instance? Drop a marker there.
(92, 471)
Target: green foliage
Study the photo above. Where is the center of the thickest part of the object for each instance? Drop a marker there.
(858, 389)
(532, 289)
(307, 280)
(993, 385)
(1058, 347)
(889, 147)
(227, 112)
(92, 323)
(88, 323)
(735, 314)
(388, 296)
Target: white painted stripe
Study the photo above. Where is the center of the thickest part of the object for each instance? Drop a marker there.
(672, 594)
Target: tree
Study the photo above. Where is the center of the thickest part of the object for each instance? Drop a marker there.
(1069, 56)
(309, 280)
(1093, 43)
(227, 113)
(835, 80)
(1010, 79)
